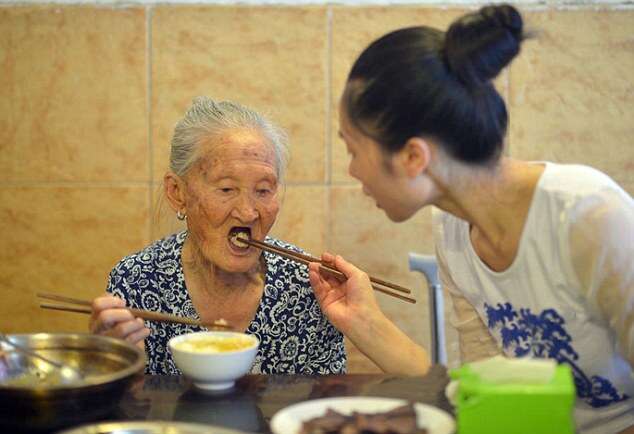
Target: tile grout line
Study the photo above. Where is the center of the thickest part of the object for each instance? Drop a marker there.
(328, 195)
(153, 184)
(72, 184)
(148, 60)
(328, 97)
(526, 5)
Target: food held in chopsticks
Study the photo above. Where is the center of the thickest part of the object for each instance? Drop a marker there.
(401, 420)
(241, 237)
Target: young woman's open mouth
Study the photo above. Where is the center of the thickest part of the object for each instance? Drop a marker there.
(237, 233)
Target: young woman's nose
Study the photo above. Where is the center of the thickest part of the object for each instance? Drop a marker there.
(245, 209)
(351, 170)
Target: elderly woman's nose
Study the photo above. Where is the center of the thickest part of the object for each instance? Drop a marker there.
(245, 208)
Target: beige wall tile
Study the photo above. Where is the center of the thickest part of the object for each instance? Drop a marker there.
(572, 91)
(362, 234)
(352, 30)
(64, 240)
(303, 218)
(269, 58)
(163, 218)
(73, 94)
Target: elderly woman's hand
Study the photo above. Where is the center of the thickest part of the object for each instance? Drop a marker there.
(109, 318)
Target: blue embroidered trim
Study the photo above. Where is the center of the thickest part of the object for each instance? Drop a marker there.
(545, 336)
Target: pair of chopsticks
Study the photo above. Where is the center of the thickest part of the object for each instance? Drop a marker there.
(306, 259)
(138, 313)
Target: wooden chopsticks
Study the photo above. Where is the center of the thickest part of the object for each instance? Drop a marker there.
(138, 313)
(305, 259)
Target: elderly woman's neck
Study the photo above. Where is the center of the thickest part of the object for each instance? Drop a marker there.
(215, 280)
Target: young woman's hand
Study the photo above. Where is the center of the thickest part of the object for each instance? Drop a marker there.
(347, 304)
(109, 318)
(350, 306)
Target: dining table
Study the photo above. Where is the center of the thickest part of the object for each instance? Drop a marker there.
(251, 403)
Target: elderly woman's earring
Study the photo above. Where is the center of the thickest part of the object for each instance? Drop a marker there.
(181, 216)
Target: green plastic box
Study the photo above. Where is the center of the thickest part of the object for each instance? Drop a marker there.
(487, 408)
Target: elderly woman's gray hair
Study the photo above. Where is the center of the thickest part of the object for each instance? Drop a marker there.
(207, 117)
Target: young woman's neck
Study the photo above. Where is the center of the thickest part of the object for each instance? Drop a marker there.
(215, 280)
(492, 199)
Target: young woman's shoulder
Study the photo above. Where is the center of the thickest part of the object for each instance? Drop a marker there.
(576, 179)
(581, 191)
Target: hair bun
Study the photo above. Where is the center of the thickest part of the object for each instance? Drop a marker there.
(479, 45)
(505, 16)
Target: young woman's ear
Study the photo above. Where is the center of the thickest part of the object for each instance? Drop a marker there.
(415, 156)
(175, 191)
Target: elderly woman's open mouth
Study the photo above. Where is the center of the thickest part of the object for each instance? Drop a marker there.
(237, 234)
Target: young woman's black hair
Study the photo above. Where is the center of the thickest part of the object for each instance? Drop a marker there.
(422, 82)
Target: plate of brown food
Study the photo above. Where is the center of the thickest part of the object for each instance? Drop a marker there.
(362, 415)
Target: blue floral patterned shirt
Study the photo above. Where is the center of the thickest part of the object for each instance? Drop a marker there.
(295, 337)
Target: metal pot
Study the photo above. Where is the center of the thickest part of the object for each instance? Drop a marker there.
(108, 366)
(135, 427)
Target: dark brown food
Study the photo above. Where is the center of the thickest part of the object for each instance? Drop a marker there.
(401, 420)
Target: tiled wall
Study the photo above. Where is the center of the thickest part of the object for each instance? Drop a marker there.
(89, 96)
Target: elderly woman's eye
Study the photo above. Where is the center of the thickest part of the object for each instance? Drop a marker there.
(226, 190)
(263, 191)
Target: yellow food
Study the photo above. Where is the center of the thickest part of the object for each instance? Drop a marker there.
(215, 344)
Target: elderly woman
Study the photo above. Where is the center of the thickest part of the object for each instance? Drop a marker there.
(226, 167)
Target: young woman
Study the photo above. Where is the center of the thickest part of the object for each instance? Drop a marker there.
(537, 256)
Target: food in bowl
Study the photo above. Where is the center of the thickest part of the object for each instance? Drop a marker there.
(214, 360)
(215, 344)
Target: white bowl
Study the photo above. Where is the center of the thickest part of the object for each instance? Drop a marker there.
(211, 369)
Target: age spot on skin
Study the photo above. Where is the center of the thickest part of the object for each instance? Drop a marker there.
(251, 153)
(206, 165)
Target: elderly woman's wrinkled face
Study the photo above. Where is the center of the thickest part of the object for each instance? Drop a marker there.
(232, 187)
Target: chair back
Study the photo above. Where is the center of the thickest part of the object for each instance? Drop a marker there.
(428, 266)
